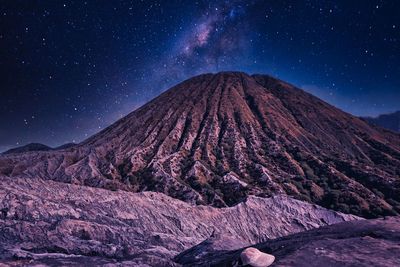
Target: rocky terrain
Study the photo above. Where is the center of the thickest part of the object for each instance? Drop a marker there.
(215, 139)
(47, 223)
(356, 243)
(389, 121)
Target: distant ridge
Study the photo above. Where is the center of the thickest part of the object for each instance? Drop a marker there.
(36, 147)
(389, 121)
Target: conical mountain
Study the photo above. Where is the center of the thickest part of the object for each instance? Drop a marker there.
(216, 138)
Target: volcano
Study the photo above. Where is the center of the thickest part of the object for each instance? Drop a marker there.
(215, 139)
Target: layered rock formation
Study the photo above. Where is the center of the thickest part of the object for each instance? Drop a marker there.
(49, 223)
(217, 138)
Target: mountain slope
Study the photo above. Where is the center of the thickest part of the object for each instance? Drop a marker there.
(217, 138)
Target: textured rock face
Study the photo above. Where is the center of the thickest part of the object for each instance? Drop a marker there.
(356, 243)
(51, 223)
(217, 138)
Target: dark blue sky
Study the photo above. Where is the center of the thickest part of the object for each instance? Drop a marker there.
(70, 68)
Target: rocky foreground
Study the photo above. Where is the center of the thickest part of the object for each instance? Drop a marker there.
(356, 243)
(52, 223)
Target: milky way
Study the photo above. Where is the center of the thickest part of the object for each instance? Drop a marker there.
(70, 68)
(217, 39)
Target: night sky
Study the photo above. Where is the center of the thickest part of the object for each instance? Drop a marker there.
(70, 68)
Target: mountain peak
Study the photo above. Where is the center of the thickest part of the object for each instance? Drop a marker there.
(217, 138)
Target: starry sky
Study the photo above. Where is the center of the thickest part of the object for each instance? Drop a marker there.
(70, 68)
